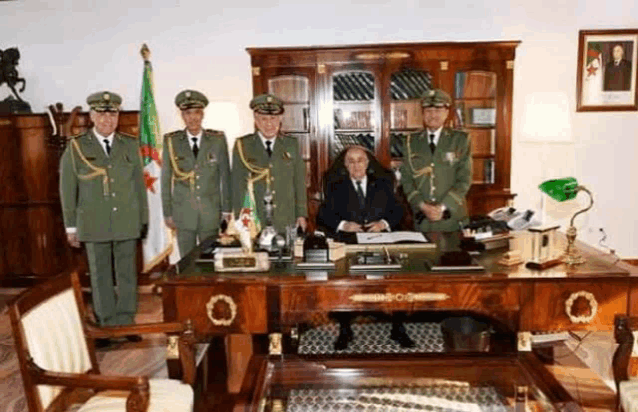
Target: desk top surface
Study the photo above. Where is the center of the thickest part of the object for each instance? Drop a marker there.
(414, 265)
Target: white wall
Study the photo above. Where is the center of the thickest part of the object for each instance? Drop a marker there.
(74, 47)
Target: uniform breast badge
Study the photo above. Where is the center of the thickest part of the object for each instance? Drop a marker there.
(451, 157)
(211, 157)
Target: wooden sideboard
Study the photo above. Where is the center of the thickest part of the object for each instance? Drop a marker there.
(32, 239)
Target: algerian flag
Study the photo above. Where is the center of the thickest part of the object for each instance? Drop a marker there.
(248, 219)
(158, 242)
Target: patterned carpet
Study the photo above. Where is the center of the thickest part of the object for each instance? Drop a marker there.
(448, 398)
(372, 338)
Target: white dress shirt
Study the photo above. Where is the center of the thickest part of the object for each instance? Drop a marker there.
(264, 140)
(364, 189)
(198, 137)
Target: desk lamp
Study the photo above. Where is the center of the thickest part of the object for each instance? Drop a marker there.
(565, 189)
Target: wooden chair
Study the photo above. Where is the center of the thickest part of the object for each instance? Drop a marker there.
(56, 351)
(626, 387)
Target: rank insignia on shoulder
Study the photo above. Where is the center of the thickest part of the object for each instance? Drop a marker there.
(90, 158)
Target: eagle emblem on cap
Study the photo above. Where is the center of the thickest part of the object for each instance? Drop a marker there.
(269, 99)
(188, 94)
(106, 96)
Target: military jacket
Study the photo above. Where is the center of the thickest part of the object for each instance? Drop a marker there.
(451, 165)
(104, 207)
(207, 194)
(287, 178)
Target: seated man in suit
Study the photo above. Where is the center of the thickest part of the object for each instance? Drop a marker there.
(361, 202)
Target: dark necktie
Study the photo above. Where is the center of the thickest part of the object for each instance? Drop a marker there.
(362, 198)
(108, 146)
(432, 145)
(268, 148)
(195, 147)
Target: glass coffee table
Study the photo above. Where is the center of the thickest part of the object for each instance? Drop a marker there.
(436, 382)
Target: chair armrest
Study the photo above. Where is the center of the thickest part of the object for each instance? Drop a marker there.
(186, 340)
(94, 331)
(137, 385)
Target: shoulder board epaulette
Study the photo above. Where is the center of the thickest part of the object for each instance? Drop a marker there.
(130, 136)
(246, 136)
(214, 132)
(76, 136)
(289, 136)
(175, 133)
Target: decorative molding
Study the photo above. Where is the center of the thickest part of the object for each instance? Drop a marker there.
(231, 305)
(321, 68)
(524, 341)
(172, 347)
(5, 122)
(509, 64)
(444, 65)
(274, 348)
(593, 306)
(256, 71)
(399, 297)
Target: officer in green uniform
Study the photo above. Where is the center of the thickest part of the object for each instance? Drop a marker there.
(269, 160)
(195, 175)
(104, 205)
(437, 168)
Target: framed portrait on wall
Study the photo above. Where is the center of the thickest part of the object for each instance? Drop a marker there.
(607, 70)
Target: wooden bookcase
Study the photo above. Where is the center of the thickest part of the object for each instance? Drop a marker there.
(369, 95)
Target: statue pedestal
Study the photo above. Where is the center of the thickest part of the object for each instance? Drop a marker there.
(11, 105)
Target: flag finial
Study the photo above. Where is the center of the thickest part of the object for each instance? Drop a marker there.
(145, 52)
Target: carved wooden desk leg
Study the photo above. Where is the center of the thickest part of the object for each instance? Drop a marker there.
(620, 362)
(239, 350)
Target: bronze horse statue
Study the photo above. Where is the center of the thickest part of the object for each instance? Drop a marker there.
(8, 72)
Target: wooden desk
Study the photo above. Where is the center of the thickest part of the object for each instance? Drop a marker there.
(521, 299)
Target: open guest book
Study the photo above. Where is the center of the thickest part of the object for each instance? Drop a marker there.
(367, 238)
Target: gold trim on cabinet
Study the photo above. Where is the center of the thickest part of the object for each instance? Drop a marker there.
(444, 65)
(399, 297)
(321, 68)
(509, 64)
(256, 71)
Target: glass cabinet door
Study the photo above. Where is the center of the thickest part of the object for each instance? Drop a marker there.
(354, 111)
(294, 90)
(475, 112)
(407, 86)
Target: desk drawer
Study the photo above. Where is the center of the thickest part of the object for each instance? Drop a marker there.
(549, 311)
(485, 297)
(223, 308)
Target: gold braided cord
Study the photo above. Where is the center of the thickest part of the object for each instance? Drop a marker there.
(456, 197)
(178, 174)
(97, 171)
(424, 171)
(258, 172)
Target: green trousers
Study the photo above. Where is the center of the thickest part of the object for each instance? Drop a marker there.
(114, 299)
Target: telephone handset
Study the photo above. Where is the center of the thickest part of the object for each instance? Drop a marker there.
(504, 214)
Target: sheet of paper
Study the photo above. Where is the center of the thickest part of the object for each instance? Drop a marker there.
(390, 237)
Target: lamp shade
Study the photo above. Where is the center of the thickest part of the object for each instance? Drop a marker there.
(560, 189)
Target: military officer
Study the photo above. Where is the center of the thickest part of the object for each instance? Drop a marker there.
(195, 175)
(104, 205)
(436, 172)
(268, 159)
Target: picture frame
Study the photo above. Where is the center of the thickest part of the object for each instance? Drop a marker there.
(483, 116)
(607, 72)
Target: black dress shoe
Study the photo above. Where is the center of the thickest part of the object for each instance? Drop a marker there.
(102, 343)
(345, 337)
(400, 336)
(133, 338)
